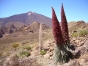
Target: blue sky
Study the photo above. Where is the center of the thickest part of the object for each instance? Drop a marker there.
(74, 9)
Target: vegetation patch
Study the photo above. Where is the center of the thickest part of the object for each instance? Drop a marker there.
(25, 54)
(42, 52)
(27, 47)
(82, 33)
(75, 34)
(15, 45)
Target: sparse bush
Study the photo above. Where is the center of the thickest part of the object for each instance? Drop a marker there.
(42, 52)
(75, 34)
(25, 54)
(27, 47)
(82, 33)
(15, 45)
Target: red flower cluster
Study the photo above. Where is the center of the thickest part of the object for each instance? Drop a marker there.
(60, 33)
(64, 25)
(56, 29)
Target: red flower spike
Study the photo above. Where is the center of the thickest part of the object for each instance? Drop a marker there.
(56, 29)
(64, 25)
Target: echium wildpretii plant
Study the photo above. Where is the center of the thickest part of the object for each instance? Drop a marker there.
(64, 27)
(61, 54)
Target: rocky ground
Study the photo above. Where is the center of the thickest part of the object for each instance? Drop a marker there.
(36, 59)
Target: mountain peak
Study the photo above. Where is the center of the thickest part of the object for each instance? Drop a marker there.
(30, 12)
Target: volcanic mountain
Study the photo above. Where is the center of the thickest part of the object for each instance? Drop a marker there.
(25, 19)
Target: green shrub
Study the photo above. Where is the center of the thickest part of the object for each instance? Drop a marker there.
(82, 33)
(15, 45)
(25, 54)
(75, 34)
(27, 47)
(43, 52)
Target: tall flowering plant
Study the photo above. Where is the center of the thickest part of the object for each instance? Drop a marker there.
(56, 29)
(64, 26)
(61, 54)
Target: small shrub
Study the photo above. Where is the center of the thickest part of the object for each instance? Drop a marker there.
(82, 33)
(27, 47)
(75, 34)
(15, 45)
(25, 54)
(43, 52)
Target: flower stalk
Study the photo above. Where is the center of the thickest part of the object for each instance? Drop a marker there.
(64, 28)
(40, 37)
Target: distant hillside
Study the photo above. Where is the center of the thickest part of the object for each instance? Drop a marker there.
(74, 26)
(25, 19)
(24, 30)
